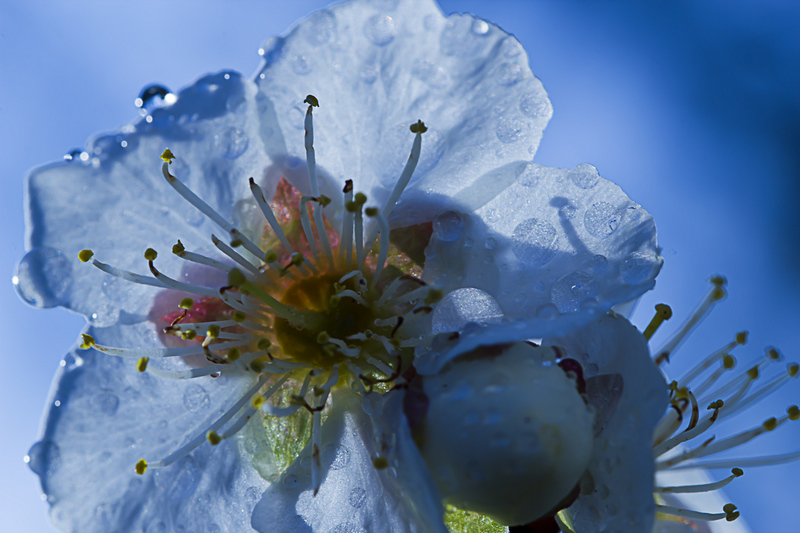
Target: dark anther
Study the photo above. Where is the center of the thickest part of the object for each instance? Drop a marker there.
(397, 326)
(348, 186)
(311, 100)
(426, 309)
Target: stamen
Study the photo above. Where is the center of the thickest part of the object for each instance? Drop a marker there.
(230, 252)
(384, 247)
(663, 312)
(347, 225)
(707, 487)
(128, 276)
(688, 434)
(730, 513)
(158, 353)
(170, 283)
(181, 252)
(716, 293)
(234, 428)
(741, 339)
(312, 102)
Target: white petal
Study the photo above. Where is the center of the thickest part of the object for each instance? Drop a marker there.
(104, 416)
(620, 495)
(118, 204)
(378, 67)
(549, 241)
(354, 496)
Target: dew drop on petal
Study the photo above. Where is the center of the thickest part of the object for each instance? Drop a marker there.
(528, 175)
(459, 38)
(509, 129)
(233, 142)
(106, 402)
(43, 458)
(358, 497)
(338, 455)
(181, 478)
(290, 481)
(480, 27)
(380, 30)
(602, 219)
(490, 243)
(42, 277)
(534, 104)
(635, 268)
(195, 398)
(320, 27)
(301, 65)
(369, 74)
(508, 74)
(569, 292)
(534, 242)
(584, 176)
(448, 226)
(463, 306)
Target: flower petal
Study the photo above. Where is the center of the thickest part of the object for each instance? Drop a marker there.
(617, 493)
(355, 497)
(379, 66)
(104, 416)
(118, 204)
(553, 241)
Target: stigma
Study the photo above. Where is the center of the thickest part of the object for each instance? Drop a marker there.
(310, 303)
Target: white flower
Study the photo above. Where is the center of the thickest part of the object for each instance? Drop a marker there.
(536, 251)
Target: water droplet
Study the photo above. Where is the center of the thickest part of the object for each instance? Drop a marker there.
(290, 481)
(71, 362)
(74, 155)
(380, 30)
(463, 306)
(584, 176)
(507, 74)
(180, 480)
(510, 47)
(468, 243)
(301, 65)
(636, 268)
(252, 495)
(106, 402)
(634, 212)
(369, 74)
(320, 27)
(535, 104)
(599, 264)
(509, 129)
(152, 96)
(534, 242)
(490, 243)
(480, 27)
(432, 74)
(571, 290)
(339, 456)
(195, 398)
(358, 497)
(448, 226)
(546, 311)
(42, 277)
(602, 219)
(44, 458)
(529, 174)
(233, 143)
(458, 37)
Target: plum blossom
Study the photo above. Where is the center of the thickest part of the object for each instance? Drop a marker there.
(337, 271)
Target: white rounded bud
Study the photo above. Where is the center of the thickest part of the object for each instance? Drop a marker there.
(506, 434)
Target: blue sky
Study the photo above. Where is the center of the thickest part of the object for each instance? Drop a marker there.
(693, 110)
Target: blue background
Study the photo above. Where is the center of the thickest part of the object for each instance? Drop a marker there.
(693, 108)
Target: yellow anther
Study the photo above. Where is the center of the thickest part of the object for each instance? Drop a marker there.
(323, 337)
(297, 259)
(234, 353)
(792, 369)
(235, 277)
(167, 156)
(433, 296)
(794, 412)
(719, 281)
(730, 511)
(235, 243)
(189, 334)
(753, 372)
(380, 463)
(150, 254)
(334, 301)
(738, 472)
(741, 337)
(323, 200)
(774, 354)
(178, 249)
(212, 331)
(271, 256)
(716, 405)
(239, 316)
(263, 344)
(663, 312)
(85, 255)
(371, 211)
(418, 127)
(257, 402)
(88, 341)
(141, 467)
(673, 386)
(728, 361)
(311, 100)
(186, 303)
(717, 294)
(682, 393)
(213, 438)
(770, 423)
(318, 391)
(351, 206)
(257, 366)
(361, 198)
(141, 364)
